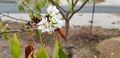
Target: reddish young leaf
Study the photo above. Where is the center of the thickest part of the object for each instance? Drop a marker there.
(28, 50)
(58, 30)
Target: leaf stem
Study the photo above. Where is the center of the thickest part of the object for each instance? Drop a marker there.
(31, 34)
(57, 38)
(41, 42)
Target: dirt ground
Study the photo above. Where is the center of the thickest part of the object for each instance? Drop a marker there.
(85, 44)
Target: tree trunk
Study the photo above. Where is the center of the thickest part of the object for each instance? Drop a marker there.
(67, 27)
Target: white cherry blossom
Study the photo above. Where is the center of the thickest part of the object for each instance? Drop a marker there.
(50, 23)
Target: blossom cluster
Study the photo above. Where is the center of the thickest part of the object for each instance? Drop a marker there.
(51, 21)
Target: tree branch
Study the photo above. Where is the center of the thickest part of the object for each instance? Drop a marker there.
(81, 6)
(15, 31)
(13, 17)
(75, 3)
(72, 2)
(78, 9)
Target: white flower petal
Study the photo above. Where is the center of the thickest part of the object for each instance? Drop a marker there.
(55, 9)
(57, 17)
(40, 27)
(52, 10)
(49, 9)
(60, 24)
(44, 20)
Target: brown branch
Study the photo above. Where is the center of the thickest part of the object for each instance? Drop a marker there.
(13, 17)
(16, 31)
(78, 9)
(75, 3)
(72, 2)
(31, 34)
(81, 6)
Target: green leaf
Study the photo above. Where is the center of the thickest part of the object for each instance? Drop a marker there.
(21, 7)
(31, 15)
(42, 53)
(38, 15)
(5, 35)
(37, 32)
(15, 47)
(44, 2)
(62, 53)
(37, 7)
(0, 24)
(48, 1)
(58, 52)
(27, 1)
(58, 1)
(56, 49)
(69, 5)
(23, 27)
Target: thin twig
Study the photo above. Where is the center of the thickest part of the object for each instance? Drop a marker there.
(75, 3)
(31, 34)
(81, 6)
(78, 9)
(13, 17)
(16, 31)
(72, 2)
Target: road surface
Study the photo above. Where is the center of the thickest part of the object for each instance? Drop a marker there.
(12, 8)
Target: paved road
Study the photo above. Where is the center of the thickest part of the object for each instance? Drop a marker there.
(12, 8)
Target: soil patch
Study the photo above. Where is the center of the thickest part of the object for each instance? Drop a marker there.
(83, 42)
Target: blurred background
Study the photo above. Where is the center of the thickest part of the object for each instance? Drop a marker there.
(105, 21)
